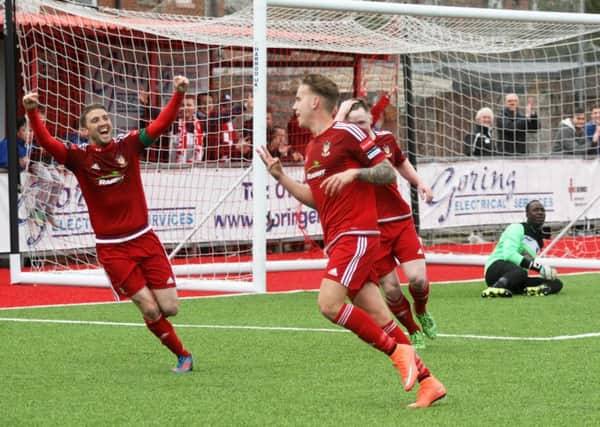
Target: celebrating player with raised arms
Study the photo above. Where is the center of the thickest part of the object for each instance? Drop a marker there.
(108, 172)
(341, 165)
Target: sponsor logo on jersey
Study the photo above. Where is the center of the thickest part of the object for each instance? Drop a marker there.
(315, 164)
(114, 178)
(326, 147)
(333, 272)
(121, 160)
(315, 174)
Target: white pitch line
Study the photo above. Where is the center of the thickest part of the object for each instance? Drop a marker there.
(294, 329)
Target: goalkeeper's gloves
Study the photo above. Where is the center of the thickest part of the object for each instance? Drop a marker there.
(545, 271)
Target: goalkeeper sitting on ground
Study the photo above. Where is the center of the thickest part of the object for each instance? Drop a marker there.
(507, 268)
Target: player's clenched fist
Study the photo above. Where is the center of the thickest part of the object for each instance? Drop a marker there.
(30, 101)
(181, 83)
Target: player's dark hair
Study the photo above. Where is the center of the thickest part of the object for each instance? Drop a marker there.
(324, 87)
(86, 110)
(21, 121)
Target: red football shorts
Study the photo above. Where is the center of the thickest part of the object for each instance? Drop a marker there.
(351, 261)
(399, 243)
(136, 263)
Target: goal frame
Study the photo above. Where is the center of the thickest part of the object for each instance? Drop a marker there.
(259, 264)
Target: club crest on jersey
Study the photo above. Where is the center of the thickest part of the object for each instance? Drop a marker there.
(121, 160)
(387, 150)
(326, 147)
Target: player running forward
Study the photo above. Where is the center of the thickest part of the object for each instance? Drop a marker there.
(399, 239)
(108, 172)
(341, 164)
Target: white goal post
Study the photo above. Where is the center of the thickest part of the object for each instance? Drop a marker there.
(221, 212)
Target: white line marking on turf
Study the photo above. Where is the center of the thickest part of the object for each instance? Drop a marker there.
(294, 329)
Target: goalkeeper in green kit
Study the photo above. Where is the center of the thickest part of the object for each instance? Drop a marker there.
(507, 268)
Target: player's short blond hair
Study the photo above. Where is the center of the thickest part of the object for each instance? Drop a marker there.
(325, 88)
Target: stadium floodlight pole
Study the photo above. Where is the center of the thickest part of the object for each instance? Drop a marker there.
(259, 137)
(11, 127)
(441, 11)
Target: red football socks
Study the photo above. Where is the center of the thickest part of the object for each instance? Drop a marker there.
(395, 332)
(359, 322)
(401, 309)
(420, 298)
(165, 332)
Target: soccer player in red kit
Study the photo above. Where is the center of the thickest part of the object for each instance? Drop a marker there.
(399, 239)
(341, 164)
(108, 172)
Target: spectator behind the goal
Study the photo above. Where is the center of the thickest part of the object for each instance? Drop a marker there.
(49, 179)
(378, 109)
(218, 128)
(249, 125)
(507, 268)
(242, 150)
(78, 135)
(187, 138)
(569, 139)
(21, 145)
(513, 125)
(280, 147)
(592, 131)
(480, 141)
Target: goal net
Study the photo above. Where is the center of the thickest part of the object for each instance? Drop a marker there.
(198, 178)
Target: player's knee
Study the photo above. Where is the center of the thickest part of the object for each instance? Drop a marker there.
(170, 309)
(555, 286)
(329, 309)
(393, 291)
(150, 311)
(418, 281)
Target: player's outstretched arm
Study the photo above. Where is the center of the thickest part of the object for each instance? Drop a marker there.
(408, 172)
(167, 116)
(43, 137)
(300, 191)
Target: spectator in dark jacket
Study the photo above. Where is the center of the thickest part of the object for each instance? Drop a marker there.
(569, 138)
(480, 142)
(513, 125)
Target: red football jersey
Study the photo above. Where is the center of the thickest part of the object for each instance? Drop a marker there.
(353, 211)
(390, 204)
(111, 184)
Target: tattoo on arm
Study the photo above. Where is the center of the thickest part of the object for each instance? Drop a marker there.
(380, 174)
